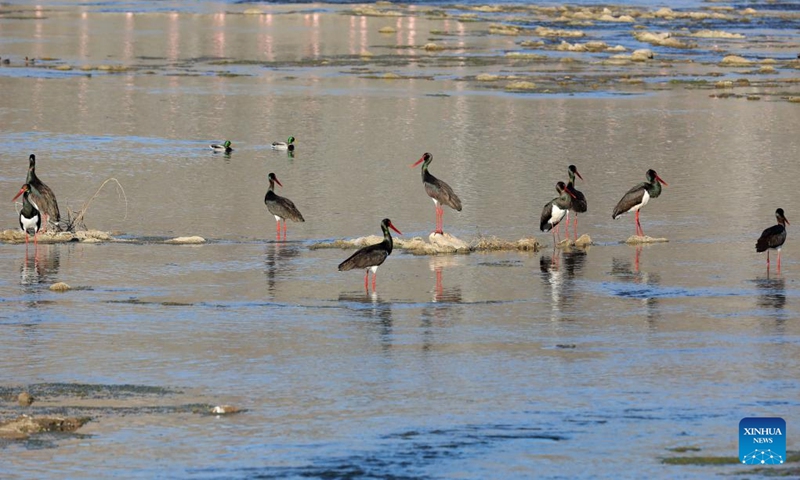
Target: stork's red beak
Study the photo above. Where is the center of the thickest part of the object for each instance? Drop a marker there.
(392, 226)
(578, 174)
(662, 181)
(418, 161)
(23, 189)
(566, 189)
(278, 181)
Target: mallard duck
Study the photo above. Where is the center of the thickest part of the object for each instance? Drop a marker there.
(287, 145)
(225, 147)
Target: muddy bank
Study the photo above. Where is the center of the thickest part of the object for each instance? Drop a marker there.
(31, 410)
(439, 244)
(92, 236)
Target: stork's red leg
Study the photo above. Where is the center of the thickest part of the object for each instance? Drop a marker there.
(374, 276)
(366, 279)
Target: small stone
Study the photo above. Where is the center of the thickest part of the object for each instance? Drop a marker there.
(186, 240)
(25, 399)
(636, 239)
(60, 287)
(388, 30)
(583, 241)
(225, 410)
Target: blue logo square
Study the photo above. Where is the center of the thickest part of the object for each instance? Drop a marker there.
(762, 441)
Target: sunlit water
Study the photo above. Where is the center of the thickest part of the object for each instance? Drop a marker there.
(559, 365)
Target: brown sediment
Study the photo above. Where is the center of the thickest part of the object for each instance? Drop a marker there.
(88, 236)
(637, 240)
(24, 426)
(438, 244)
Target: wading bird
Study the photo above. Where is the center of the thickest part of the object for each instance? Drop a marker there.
(281, 207)
(773, 238)
(439, 191)
(43, 196)
(30, 220)
(638, 196)
(579, 204)
(555, 209)
(372, 256)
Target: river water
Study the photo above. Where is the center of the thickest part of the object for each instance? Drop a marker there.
(575, 364)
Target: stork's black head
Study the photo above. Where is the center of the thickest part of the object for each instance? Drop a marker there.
(781, 218)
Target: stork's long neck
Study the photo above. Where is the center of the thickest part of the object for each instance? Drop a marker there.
(653, 188)
(387, 238)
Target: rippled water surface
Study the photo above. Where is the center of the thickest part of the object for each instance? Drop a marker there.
(583, 363)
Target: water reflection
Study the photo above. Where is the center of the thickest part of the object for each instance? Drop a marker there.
(771, 292)
(558, 273)
(622, 270)
(278, 262)
(373, 308)
(41, 265)
(440, 293)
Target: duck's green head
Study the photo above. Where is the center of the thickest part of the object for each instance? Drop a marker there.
(227, 144)
(290, 140)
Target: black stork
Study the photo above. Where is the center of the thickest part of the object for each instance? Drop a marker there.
(440, 192)
(773, 238)
(555, 209)
(372, 256)
(43, 196)
(224, 148)
(281, 207)
(287, 145)
(30, 220)
(579, 204)
(638, 196)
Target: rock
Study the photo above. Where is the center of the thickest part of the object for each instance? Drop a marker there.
(642, 54)
(636, 240)
(225, 410)
(584, 241)
(447, 241)
(735, 60)
(660, 39)
(715, 34)
(520, 85)
(494, 244)
(432, 47)
(186, 240)
(253, 11)
(60, 287)
(487, 77)
(388, 30)
(24, 426)
(767, 69)
(504, 30)
(566, 243)
(25, 399)
(724, 84)
(552, 32)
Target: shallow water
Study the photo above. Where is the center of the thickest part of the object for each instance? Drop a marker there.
(555, 364)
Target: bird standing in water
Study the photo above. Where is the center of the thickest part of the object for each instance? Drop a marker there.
(439, 191)
(372, 256)
(578, 204)
(43, 196)
(555, 209)
(30, 219)
(773, 238)
(280, 207)
(638, 196)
